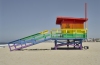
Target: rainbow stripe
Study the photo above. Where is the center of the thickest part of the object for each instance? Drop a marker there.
(70, 33)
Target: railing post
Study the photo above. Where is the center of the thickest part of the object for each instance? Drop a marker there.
(20, 43)
(14, 45)
(75, 33)
(66, 31)
(9, 46)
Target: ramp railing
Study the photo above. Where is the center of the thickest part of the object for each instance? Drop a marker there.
(29, 40)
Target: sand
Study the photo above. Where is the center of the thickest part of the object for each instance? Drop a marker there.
(45, 56)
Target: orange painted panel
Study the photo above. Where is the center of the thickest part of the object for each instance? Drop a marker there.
(82, 25)
(72, 25)
(78, 25)
(63, 25)
(66, 25)
(69, 25)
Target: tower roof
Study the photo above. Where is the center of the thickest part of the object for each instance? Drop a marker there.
(67, 19)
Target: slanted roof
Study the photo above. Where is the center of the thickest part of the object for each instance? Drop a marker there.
(60, 19)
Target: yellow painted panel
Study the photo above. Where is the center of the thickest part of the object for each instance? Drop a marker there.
(44, 32)
(71, 31)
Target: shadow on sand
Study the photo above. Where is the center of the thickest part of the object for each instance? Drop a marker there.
(64, 48)
(61, 48)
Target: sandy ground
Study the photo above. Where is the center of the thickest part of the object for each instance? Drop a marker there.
(45, 56)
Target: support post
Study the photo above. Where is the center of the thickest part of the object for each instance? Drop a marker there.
(74, 43)
(68, 43)
(81, 44)
(55, 44)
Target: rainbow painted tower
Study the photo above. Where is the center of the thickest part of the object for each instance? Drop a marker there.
(72, 27)
(72, 31)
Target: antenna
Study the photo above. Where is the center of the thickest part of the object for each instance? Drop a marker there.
(85, 15)
(85, 10)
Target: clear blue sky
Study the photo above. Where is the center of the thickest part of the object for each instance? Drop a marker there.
(19, 18)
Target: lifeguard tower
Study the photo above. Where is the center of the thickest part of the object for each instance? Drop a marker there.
(71, 28)
(72, 31)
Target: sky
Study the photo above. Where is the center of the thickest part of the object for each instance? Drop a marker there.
(20, 18)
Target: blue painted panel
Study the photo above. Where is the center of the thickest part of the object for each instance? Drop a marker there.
(67, 38)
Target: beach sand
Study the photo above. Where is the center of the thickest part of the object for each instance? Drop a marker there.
(45, 56)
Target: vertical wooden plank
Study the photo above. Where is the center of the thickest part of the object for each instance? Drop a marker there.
(82, 25)
(76, 25)
(71, 24)
(63, 26)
